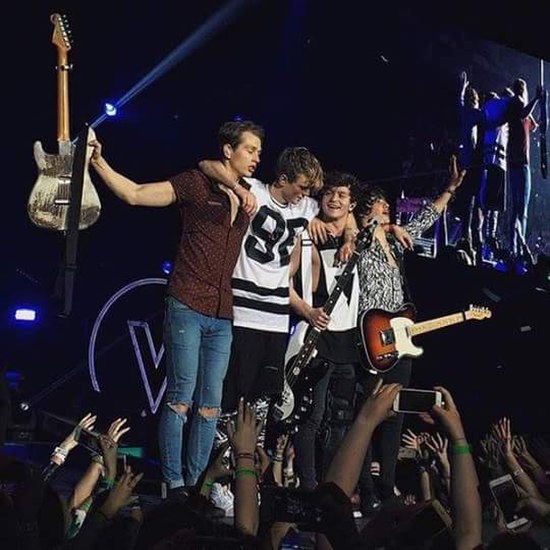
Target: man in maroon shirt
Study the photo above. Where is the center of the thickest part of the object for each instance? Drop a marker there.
(199, 304)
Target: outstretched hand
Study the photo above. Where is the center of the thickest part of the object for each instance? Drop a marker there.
(243, 434)
(86, 423)
(456, 175)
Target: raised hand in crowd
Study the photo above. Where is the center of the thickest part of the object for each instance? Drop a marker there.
(121, 494)
(243, 437)
(109, 447)
(60, 453)
(438, 445)
(466, 501)
(490, 456)
(278, 458)
(503, 434)
(87, 422)
(346, 465)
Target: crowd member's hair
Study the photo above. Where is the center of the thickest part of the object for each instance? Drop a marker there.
(341, 179)
(299, 161)
(231, 132)
(368, 196)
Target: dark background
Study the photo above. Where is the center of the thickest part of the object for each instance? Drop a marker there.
(352, 81)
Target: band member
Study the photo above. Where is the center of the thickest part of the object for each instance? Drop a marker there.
(336, 349)
(261, 278)
(382, 285)
(199, 301)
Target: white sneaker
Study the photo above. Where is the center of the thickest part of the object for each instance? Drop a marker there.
(223, 498)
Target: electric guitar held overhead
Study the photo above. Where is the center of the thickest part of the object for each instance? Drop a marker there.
(296, 400)
(50, 197)
(385, 336)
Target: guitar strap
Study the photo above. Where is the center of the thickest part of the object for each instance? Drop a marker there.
(406, 287)
(67, 273)
(306, 268)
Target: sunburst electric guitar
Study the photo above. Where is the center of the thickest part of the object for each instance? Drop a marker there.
(50, 196)
(386, 336)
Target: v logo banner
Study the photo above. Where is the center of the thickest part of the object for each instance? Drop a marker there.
(154, 355)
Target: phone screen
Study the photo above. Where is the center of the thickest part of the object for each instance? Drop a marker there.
(416, 400)
(507, 498)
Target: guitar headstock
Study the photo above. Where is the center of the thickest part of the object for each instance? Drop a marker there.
(478, 313)
(62, 36)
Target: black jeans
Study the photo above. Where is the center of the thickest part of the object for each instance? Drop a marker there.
(305, 440)
(386, 438)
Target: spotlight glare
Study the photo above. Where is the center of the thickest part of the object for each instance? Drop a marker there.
(110, 109)
(167, 267)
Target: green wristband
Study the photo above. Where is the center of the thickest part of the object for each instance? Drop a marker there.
(462, 449)
(246, 472)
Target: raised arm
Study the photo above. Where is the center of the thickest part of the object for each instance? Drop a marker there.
(463, 79)
(147, 194)
(346, 465)
(455, 181)
(464, 481)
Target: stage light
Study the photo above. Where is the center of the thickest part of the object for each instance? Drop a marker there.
(110, 109)
(24, 406)
(167, 267)
(26, 315)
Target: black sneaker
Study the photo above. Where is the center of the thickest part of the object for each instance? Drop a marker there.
(178, 494)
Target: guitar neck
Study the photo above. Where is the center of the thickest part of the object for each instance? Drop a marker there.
(434, 324)
(63, 67)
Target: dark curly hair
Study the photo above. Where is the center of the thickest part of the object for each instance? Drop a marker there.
(368, 196)
(341, 179)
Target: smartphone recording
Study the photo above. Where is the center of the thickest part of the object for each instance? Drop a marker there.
(506, 496)
(410, 400)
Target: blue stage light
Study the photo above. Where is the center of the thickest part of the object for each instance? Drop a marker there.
(26, 315)
(167, 267)
(110, 109)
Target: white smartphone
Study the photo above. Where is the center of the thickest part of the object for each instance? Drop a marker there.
(409, 400)
(506, 496)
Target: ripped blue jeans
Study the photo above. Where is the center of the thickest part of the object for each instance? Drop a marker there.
(197, 355)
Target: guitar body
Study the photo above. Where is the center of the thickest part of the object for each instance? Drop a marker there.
(283, 408)
(299, 407)
(383, 339)
(49, 199)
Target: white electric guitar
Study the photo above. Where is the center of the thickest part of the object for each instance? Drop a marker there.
(50, 196)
